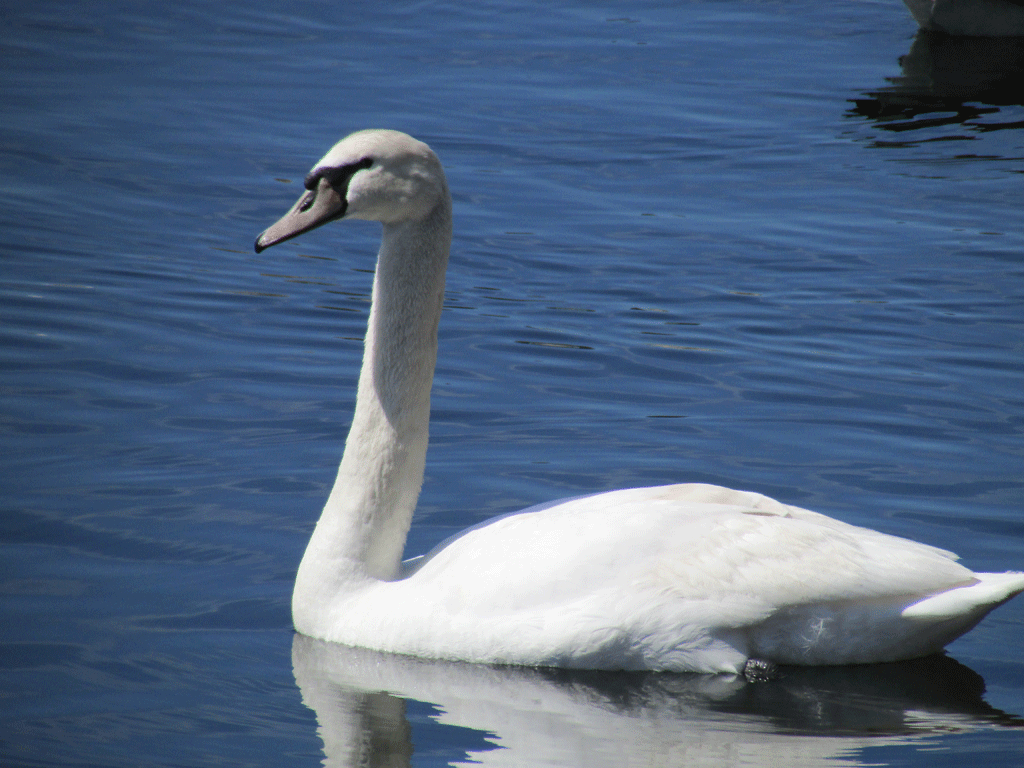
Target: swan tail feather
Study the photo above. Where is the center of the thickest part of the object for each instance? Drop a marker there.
(989, 591)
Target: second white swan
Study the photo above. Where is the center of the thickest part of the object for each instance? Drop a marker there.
(679, 577)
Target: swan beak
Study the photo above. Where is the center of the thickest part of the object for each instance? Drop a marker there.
(316, 207)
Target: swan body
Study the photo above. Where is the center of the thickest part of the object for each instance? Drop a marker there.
(681, 577)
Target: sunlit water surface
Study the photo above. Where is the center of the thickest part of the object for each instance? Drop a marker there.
(771, 245)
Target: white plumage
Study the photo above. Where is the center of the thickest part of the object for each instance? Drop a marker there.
(681, 577)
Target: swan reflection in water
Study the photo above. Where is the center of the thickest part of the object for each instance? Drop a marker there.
(535, 717)
(975, 82)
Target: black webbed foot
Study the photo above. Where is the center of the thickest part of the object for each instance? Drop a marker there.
(759, 670)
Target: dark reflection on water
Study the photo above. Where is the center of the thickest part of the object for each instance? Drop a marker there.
(563, 717)
(967, 81)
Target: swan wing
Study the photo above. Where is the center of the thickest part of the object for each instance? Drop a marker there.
(694, 543)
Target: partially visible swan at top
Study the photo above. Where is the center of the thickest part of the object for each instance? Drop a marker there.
(677, 577)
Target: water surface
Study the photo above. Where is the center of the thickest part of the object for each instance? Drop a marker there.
(771, 245)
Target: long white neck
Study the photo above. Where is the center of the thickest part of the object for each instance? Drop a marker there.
(362, 530)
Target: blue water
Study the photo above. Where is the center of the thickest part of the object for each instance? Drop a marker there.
(777, 246)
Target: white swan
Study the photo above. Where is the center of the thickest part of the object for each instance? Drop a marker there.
(678, 577)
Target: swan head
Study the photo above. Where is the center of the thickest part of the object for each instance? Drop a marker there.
(377, 175)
